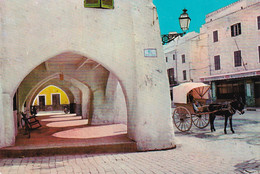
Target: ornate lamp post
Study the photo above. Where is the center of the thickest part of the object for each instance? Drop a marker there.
(184, 20)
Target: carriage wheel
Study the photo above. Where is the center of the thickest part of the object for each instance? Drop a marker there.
(182, 119)
(200, 120)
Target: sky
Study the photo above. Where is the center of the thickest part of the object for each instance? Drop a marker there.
(169, 12)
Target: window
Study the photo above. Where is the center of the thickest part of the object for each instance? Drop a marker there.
(184, 75)
(215, 36)
(171, 76)
(235, 29)
(173, 57)
(227, 90)
(183, 58)
(237, 58)
(166, 58)
(14, 102)
(99, 3)
(217, 62)
(259, 53)
(258, 22)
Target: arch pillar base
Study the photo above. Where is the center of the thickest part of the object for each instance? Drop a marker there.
(7, 126)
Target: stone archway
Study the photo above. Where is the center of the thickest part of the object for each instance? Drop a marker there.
(90, 77)
(72, 92)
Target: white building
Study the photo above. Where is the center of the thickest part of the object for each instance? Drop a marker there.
(187, 58)
(225, 54)
(234, 51)
(111, 60)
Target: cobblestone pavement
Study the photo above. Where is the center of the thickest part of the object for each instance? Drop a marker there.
(198, 151)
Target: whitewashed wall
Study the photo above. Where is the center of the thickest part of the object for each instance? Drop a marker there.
(33, 31)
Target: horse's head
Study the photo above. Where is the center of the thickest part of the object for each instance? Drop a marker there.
(239, 105)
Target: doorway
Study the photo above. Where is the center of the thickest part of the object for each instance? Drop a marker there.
(42, 103)
(257, 93)
(56, 102)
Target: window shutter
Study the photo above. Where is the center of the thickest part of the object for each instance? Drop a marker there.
(107, 4)
(217, 62)
(91, 3)
(239, 28)
(183, 58)
(238, 58)
(171, 76)
(258, 22)
(184, 75)
(232, 31)
(259, 52)
(215, 36)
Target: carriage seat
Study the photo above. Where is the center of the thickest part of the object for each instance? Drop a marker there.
(197, 107)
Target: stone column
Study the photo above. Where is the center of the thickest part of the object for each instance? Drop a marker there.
(8, 120)
(99, 115)
(149, 122)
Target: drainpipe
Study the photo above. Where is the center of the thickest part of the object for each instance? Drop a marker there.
(176, 62)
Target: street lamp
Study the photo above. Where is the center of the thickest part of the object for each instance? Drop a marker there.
(184, 20)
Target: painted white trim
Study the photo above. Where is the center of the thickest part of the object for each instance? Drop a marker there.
(53, 94)
(34, 101)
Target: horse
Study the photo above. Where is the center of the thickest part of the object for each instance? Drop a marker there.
(226, 110)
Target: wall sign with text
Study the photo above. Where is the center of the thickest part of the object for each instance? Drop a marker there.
(150, 52)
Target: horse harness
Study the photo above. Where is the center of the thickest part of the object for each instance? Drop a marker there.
(228, 107)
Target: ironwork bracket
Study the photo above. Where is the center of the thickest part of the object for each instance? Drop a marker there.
(166, 38)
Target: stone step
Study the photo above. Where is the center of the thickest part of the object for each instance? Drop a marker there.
(18, 152)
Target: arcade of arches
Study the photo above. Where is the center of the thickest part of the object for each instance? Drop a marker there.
(81, 79)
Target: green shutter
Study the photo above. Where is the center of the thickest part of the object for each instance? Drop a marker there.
(91, 3)
(107, 4)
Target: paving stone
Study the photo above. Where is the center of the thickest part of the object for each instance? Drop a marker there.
(218, 153)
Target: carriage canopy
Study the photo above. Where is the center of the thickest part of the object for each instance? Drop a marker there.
(197, 90)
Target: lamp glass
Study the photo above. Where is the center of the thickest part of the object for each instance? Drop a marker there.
(184, 20)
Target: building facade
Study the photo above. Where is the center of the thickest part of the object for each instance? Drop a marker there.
(234, 51)
(51, 98)
(107, 56)
(187, 59)
(225, 54)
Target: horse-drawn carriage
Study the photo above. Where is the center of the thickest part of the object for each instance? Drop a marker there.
(191, 100)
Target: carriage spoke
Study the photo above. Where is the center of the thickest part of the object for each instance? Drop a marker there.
(178, 121)
(182, 119)
(181, 126)
(195, 119)
(201, 121)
